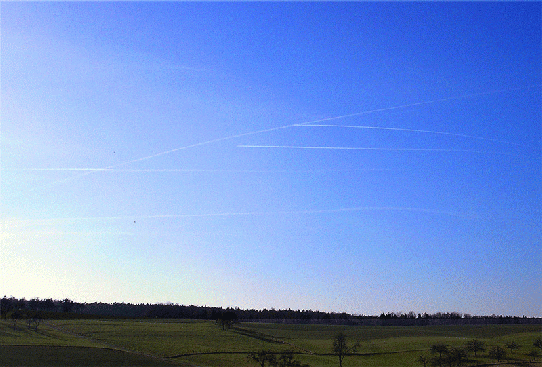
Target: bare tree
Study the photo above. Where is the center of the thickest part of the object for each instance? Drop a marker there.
(475, 346)
(287, 359)
(15, 315)
(341, 348)
(512, 346)
(439, 348)
(456, 356)
(34, 319)
(423, 360)
(226, 319)
(497, 353)
(262, 357)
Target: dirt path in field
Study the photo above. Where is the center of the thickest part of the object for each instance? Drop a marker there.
(268, 338)
(106, 344)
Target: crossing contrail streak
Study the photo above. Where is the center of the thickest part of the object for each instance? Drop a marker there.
(464, 96)
(413, 130)
(263, 131)
(369, 148)
(176, 150)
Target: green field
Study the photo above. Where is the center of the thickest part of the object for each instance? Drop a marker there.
(202, 343)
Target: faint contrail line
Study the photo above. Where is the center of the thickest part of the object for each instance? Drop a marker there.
(180, 170)
(370, 148)
(6, 234)
(464, 96)
(239, 214)
(207, 142)
(412, 130)
(175, 150)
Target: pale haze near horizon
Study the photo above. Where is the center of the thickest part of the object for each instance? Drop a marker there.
(357, 157)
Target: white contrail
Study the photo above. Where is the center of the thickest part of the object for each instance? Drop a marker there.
(412, 130)
(174, 150)
(320, 211)
(207, 142)
(370, 148)
(239, 214)
(180, 170)
(87, 171)
(464, 96)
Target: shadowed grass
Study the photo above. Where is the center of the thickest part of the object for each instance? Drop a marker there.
(49, 355)
(202, 343)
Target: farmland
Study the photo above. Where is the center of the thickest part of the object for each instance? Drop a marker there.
(146, 342)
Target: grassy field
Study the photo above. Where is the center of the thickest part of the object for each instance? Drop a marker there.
(202, 343)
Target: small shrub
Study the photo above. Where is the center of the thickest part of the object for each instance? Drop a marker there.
(533, 355)
(497, 352)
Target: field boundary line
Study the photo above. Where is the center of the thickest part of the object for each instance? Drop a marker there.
(106, 344)
(376, 353)
(203, 353)
(266, 337)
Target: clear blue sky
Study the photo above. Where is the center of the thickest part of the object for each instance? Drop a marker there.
(358, 157)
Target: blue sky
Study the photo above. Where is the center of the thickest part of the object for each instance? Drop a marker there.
(358, 157)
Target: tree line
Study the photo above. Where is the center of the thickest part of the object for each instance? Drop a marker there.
(61, 308)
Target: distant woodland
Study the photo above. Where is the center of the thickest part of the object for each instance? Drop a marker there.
(14, 308)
